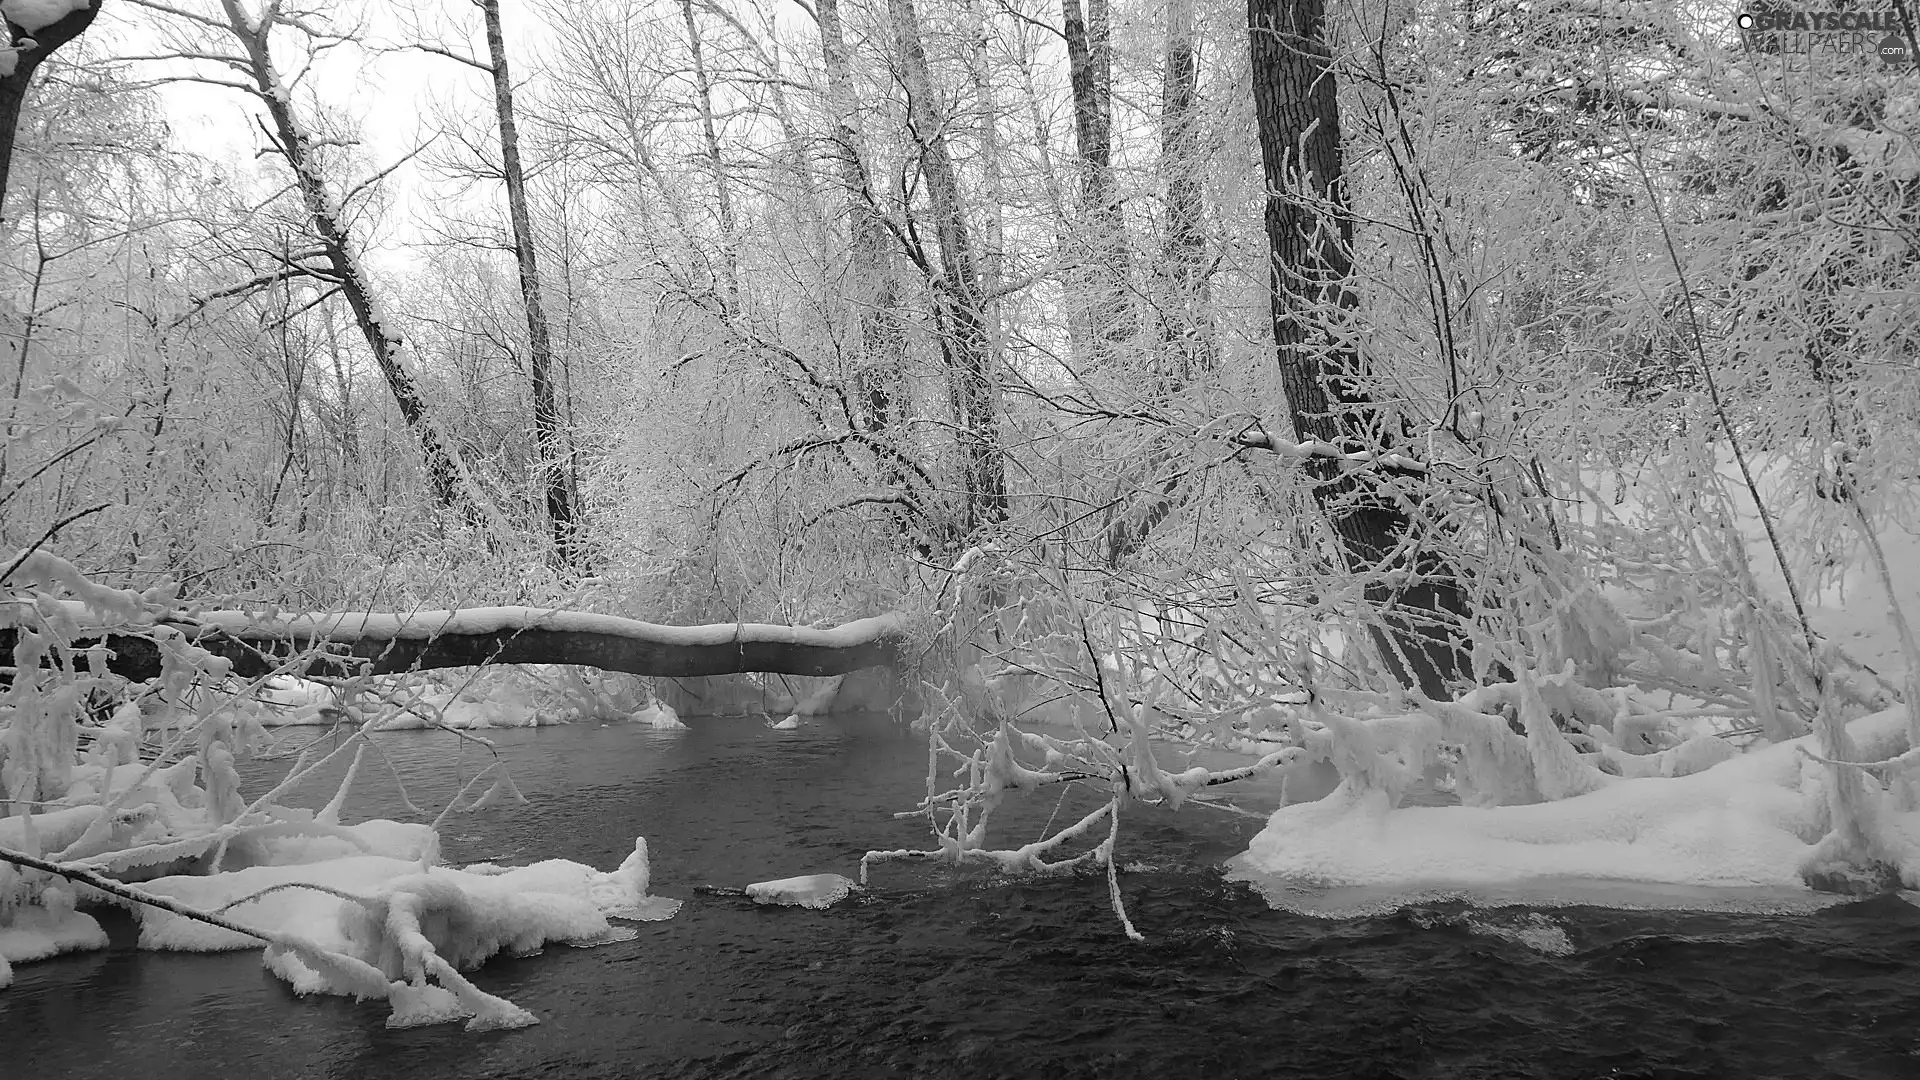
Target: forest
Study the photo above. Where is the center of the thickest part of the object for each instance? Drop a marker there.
(1482, 423)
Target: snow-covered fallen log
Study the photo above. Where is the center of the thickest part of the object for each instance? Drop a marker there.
(380, 644)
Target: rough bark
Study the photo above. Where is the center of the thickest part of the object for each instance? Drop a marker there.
(13, 88)
(452, 485)
(554, 481)
(388, 644)
(959, 298)
(1104, 243)
(1309, 231)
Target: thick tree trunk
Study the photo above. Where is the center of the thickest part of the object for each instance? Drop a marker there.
(13, 88)
(452, 485)
(1104, 237)
(554, 481)
(958, 296)
(1310, 232)
(376, 644)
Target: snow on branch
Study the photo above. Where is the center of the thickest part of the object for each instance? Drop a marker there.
(1257, 437)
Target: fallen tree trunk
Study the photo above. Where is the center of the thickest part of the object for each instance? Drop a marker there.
(385, 644)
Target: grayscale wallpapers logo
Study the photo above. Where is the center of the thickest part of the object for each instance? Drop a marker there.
(1778, 28)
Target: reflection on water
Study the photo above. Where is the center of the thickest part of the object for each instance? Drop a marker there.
(943, 974)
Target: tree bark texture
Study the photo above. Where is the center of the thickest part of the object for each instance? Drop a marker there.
(1309, 230)
(554, 481)
(13, 88)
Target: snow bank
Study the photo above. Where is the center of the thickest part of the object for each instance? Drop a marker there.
(1753, 821)
(459, 711)
(291, 702)
(48, 929)
(1850, 604)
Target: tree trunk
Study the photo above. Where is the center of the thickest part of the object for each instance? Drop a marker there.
(958, 296)
(13, 88)
(1186, 330)
(452, 485)
(1186, 326)
(875, 286)
(723, 197)
(546, 416)
(1104, 244)
(879, 376)
(1297, 112)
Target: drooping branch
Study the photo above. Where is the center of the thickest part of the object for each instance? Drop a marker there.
(385, 644)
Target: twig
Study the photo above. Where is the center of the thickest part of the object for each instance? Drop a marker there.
(48, 535)
(129, 893)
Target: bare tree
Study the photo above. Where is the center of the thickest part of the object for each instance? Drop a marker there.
(554, 479)
(876, 293)
(959, 297)
(710, 132)
(453, 486)
(1090, 70)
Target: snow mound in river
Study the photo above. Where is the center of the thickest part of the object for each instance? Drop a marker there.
(417, 926)
(810, 891)
(1751, 822)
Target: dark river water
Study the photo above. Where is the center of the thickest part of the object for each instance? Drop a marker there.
(941, 974)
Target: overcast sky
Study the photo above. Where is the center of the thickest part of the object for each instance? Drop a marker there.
(389, 95)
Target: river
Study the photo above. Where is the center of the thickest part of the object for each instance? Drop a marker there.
(938, 974)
